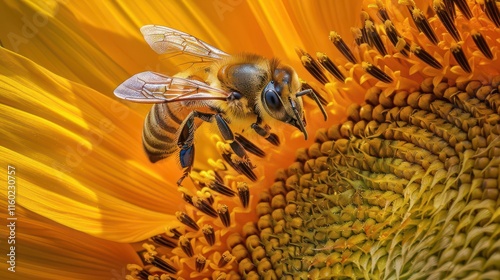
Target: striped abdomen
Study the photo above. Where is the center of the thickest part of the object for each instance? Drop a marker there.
(160, 132)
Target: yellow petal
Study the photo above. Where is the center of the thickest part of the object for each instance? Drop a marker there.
(72, 149)
(42, 249)
(49, 34)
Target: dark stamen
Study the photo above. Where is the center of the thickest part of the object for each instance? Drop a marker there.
(460, 57)
(339, 43)
(144, 274)
(492, 12)
(357, 33)
(163, 241)
(464, 8)
(382, 12)
(249, 146)
(243, 193)
(376, 72)
(410, 6)
(223, 212)
(209, 197)
(208, 232)
(481, 44)
(312, 66)
(330, 67)
(185, 219)
(162, 264)
(186, 246)
(446, 19)
(425, 56)
(218, 178)
(374, 38)
(273, 139)
(395, 38)
(188, 198)
(423, 25)
(175, 233)
(221, 188)
(201, 261)
(225, 259)
(450, 8)
(241, 167)
(205, 207)
(364, 37)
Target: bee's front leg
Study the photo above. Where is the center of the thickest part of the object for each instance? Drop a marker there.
(264, 132)
(228, 135)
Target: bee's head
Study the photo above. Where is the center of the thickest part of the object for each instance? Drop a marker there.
(281, 98)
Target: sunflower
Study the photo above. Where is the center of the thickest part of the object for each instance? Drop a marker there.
(401, 182)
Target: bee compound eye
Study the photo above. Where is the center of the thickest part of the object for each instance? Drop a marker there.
(272, 100)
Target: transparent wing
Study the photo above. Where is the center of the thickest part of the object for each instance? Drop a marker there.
(150, 87)
(165, 40)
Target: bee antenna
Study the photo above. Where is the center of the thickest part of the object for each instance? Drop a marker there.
(316, 99)
(303, 92)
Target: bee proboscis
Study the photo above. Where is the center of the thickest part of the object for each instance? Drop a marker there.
(244, 92)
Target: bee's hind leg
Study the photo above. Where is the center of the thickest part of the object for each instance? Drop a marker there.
(185, 143)
(186, 139)
(264, 132)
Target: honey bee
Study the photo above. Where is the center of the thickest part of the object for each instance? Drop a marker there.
(244, 92)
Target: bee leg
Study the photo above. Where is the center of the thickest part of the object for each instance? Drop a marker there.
(228, 135)
(242, 165)
(185, 143)
(187, 170)
(264, 132)
(225, 131)
(314, 96)
(186, 139)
